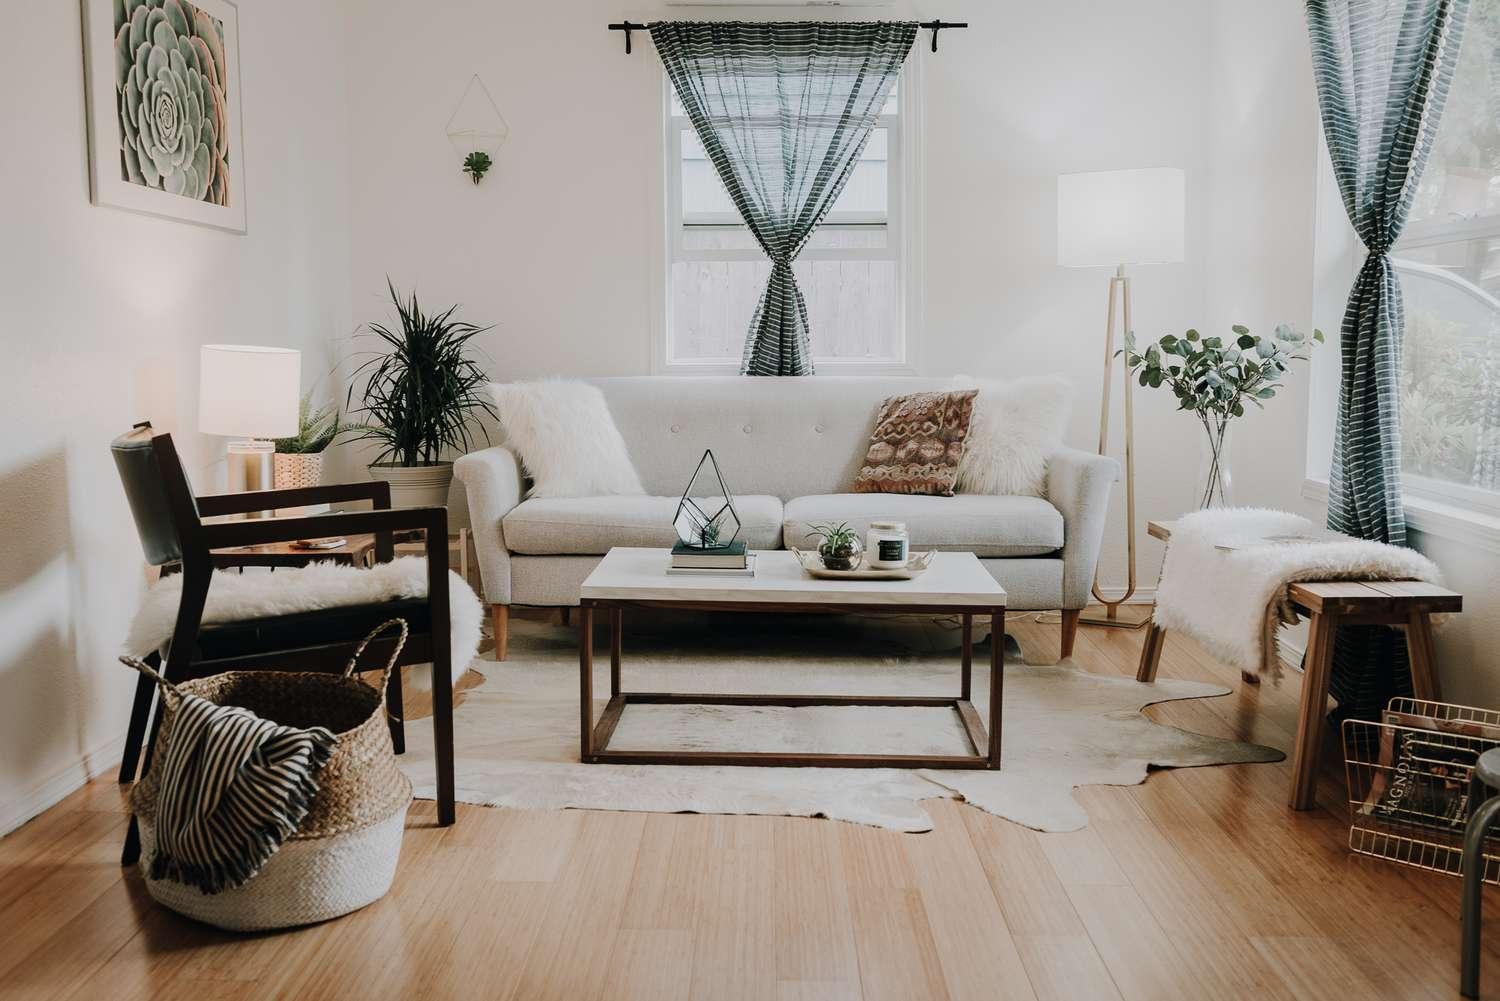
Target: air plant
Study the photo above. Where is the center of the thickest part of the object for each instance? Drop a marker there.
(840, 548)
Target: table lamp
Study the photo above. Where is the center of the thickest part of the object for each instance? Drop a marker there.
(249, 393)
(1112, 218)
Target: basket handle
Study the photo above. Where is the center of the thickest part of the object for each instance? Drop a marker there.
(390, 665)
(167, 687)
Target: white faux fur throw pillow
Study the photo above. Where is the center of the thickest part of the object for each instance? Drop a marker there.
(235, 597)
(1015, 426)
(566, 439)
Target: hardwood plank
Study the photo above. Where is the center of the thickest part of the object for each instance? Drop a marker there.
(898, 959)
(569, 957)
(650, 965)
(1065, 968)
(973, 943)
(1140, 956)
(735, 942)
(814, 932)
(1031, 896)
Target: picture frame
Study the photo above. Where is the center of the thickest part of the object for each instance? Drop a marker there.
(165, 131)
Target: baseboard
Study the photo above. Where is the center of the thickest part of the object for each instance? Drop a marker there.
(62, 784)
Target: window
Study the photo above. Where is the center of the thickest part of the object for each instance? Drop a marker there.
(852, 272)
(1448, 260)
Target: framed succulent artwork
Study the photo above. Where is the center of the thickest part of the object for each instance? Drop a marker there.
(163, 83)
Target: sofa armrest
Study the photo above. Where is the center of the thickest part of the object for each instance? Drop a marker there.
(493, 484)
(1078, 485)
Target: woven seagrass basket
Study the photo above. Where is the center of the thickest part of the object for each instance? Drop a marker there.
(343, 855)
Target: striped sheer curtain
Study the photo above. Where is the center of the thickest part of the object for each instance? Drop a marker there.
(1383, 68)
(783, 110)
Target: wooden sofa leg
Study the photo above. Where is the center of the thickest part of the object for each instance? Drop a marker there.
(1069, 630)
(501, 620)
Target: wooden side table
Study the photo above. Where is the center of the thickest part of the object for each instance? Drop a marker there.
(356, 550)
(1327, 605)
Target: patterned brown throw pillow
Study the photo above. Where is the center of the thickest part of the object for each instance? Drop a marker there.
(917, 443)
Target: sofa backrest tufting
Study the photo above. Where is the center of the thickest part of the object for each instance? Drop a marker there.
(790, 437)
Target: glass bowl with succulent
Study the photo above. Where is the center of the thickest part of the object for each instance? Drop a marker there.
(1214, 377)
(841, 548)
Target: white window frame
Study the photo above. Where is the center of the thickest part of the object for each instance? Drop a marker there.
(904, 237)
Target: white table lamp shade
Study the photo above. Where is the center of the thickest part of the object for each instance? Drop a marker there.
(1112, 217)
(248, 391)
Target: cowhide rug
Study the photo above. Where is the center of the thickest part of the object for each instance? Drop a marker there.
(516, 734)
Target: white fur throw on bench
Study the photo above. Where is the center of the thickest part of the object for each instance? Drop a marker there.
(1233, 602)
(236, 597)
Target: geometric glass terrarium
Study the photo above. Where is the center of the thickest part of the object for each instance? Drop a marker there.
(706, 521)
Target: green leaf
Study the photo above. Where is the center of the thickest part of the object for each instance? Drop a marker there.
(1318, 335)
(1240, 329)
(1192, 335)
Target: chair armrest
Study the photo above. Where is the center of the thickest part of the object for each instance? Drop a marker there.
(260, 531)
(1078, 485)
(493, 484)
(377, 492)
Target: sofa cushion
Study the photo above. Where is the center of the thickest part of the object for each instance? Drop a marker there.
(983, 524)
(548, 526)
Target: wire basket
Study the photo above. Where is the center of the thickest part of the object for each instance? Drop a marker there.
(1412, 785)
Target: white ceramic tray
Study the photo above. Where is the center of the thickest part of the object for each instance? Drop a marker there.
(815, 568)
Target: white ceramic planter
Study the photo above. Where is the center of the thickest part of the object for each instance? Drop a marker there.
(416, 486)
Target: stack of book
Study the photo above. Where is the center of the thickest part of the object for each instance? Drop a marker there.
(720, 561)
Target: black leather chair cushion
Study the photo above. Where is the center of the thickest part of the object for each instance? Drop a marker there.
(287, 632)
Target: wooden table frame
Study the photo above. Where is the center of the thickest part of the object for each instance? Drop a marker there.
(595, 737)
(1327, 605)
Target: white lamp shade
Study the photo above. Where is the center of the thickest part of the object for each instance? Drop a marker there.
(1112, 217)
(248, 391)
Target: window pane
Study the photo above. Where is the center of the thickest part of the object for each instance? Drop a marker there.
(865, 193)
(1450, 412)
(853, 308)
(1462, 177)
(826, 237)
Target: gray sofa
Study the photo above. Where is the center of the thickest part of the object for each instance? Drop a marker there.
(789, 448)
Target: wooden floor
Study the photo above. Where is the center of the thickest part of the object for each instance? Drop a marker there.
(1198, 884)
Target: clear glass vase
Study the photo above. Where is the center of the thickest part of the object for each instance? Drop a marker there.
(1215, 481)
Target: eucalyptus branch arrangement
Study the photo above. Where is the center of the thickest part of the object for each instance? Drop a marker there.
(1214, 378)
(421, 395)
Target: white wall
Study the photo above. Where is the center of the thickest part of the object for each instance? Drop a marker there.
(101, 315)
(556, 247)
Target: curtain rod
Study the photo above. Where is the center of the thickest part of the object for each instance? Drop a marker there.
(932, 26)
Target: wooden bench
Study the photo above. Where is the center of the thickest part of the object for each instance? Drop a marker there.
(1328, 605)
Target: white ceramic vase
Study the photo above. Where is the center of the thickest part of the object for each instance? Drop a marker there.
(416, 486)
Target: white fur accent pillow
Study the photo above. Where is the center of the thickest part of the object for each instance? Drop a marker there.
(1015, 426)
(566, 439)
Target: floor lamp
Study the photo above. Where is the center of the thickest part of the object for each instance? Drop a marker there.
(1113, 218)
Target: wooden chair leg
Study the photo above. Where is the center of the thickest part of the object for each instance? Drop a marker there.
(1069, 630)
(1321, 629)
(397, 710)
(500, 619)
(1156, 638)
(140, 715)
(1421, 653)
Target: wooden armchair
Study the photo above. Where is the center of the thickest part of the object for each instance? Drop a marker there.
(173, 531)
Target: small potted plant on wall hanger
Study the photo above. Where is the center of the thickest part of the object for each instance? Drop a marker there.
(420, 395)
(477, 130)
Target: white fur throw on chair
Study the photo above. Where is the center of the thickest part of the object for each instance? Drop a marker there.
(1232, 602)
(236, 597)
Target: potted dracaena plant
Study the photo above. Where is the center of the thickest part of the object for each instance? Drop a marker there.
(1214, 378)
(420, 398)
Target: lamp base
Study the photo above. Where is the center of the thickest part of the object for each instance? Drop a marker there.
(1131, 616)
(250, 466)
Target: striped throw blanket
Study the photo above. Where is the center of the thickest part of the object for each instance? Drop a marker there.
(233, 787)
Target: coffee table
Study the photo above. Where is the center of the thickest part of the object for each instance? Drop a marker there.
(954, 584)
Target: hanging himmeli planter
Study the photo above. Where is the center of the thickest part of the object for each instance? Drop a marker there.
(477, 130)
